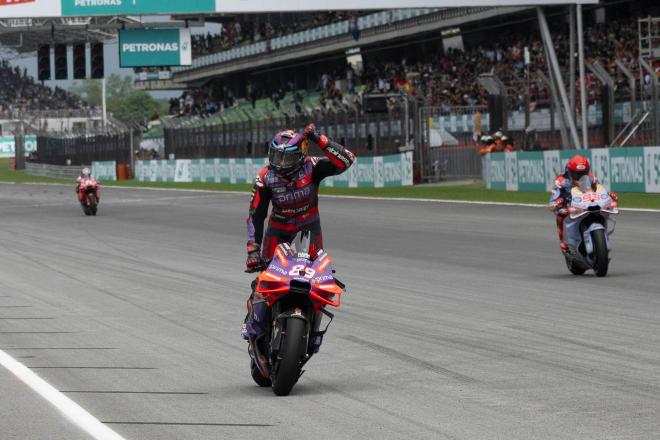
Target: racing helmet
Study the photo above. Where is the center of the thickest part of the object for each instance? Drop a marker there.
(86, 173)
(577, 167)
(287, 152)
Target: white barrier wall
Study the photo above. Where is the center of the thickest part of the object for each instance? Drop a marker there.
(629, 169)
(366, 172)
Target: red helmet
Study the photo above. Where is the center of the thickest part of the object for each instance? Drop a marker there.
(577, 167)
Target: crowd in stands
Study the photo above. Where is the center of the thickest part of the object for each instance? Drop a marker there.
(236, 33)
(19, 91)
(450, 79)
(446, 79)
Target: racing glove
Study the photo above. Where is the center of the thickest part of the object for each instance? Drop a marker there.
(614, 196)
(313, 134)
(254, 260)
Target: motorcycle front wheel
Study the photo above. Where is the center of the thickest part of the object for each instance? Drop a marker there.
(286, 371)
(601, 256)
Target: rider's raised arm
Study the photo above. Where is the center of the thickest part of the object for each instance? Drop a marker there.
(258, 209)
(339, 158)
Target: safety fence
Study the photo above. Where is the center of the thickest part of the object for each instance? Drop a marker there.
(631, 169)
(84, 149)
(364, 134)
(367, 172)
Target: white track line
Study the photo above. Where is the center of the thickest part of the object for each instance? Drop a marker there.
(66, 406)
(399, 199)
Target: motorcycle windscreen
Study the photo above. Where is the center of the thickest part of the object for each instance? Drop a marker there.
(586, 184)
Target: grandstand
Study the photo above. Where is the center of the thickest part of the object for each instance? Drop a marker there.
(431, 59)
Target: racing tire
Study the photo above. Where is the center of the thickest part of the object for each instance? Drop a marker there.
(287, 371)
(601, 255)
(258, 378)
(574, 267)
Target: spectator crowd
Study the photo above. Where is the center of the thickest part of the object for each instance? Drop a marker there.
(441, 79)
(19, 91)
(237, 32)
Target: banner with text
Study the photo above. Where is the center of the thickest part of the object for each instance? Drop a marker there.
(367, 172)
(104, 170)
(631, 169)
(155, 47)
(87, 8)
(8, 146)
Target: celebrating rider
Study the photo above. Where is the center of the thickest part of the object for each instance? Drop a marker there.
(291, 183)
(560, 198)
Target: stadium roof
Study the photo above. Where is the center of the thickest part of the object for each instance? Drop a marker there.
(26, 34)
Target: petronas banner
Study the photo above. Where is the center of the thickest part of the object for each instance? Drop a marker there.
(630, 169)
(366, 172)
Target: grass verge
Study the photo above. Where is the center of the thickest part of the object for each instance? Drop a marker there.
(471, 192)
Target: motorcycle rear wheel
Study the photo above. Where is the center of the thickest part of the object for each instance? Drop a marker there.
(601, 257)
(287, 369)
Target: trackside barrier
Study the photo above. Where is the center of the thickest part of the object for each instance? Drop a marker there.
(8, 146)
(367, 172)
(630, 169)
(104, 170)
(45, 170)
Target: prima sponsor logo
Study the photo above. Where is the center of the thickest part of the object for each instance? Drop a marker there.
(531, 171)
(323, 278)
(292, 196)
(627, 169)
(278, 269)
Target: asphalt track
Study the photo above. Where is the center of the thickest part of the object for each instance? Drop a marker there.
(461, 322)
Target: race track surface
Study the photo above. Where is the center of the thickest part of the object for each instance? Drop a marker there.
(461, 322)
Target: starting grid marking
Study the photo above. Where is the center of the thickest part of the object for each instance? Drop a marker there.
(70, 409)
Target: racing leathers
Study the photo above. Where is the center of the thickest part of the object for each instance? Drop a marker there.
(295, 208)
(560, 198)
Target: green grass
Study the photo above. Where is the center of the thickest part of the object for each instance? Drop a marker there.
(471, 192)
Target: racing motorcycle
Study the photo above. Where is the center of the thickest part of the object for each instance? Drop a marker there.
(296, 287)
(88, 194)
(588, 228)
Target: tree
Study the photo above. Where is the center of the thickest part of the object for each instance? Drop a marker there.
(89, 90)
(123, 101)
(138, 106)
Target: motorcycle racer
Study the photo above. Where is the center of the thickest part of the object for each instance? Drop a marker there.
(290, 182)
(86, 174)
(576, 167)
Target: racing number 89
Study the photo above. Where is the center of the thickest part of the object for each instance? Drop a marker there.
(295, 271)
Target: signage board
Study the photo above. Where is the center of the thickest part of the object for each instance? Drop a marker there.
(155, 47)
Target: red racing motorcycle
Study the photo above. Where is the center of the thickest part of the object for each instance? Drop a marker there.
(88, 195)
(297, 288)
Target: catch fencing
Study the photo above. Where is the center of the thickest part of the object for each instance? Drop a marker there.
(365, 134)
(79, 150)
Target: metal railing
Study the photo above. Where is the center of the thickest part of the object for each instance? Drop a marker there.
(82, 150)
(365, 134)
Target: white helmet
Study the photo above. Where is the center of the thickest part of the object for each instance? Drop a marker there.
(86, 173)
